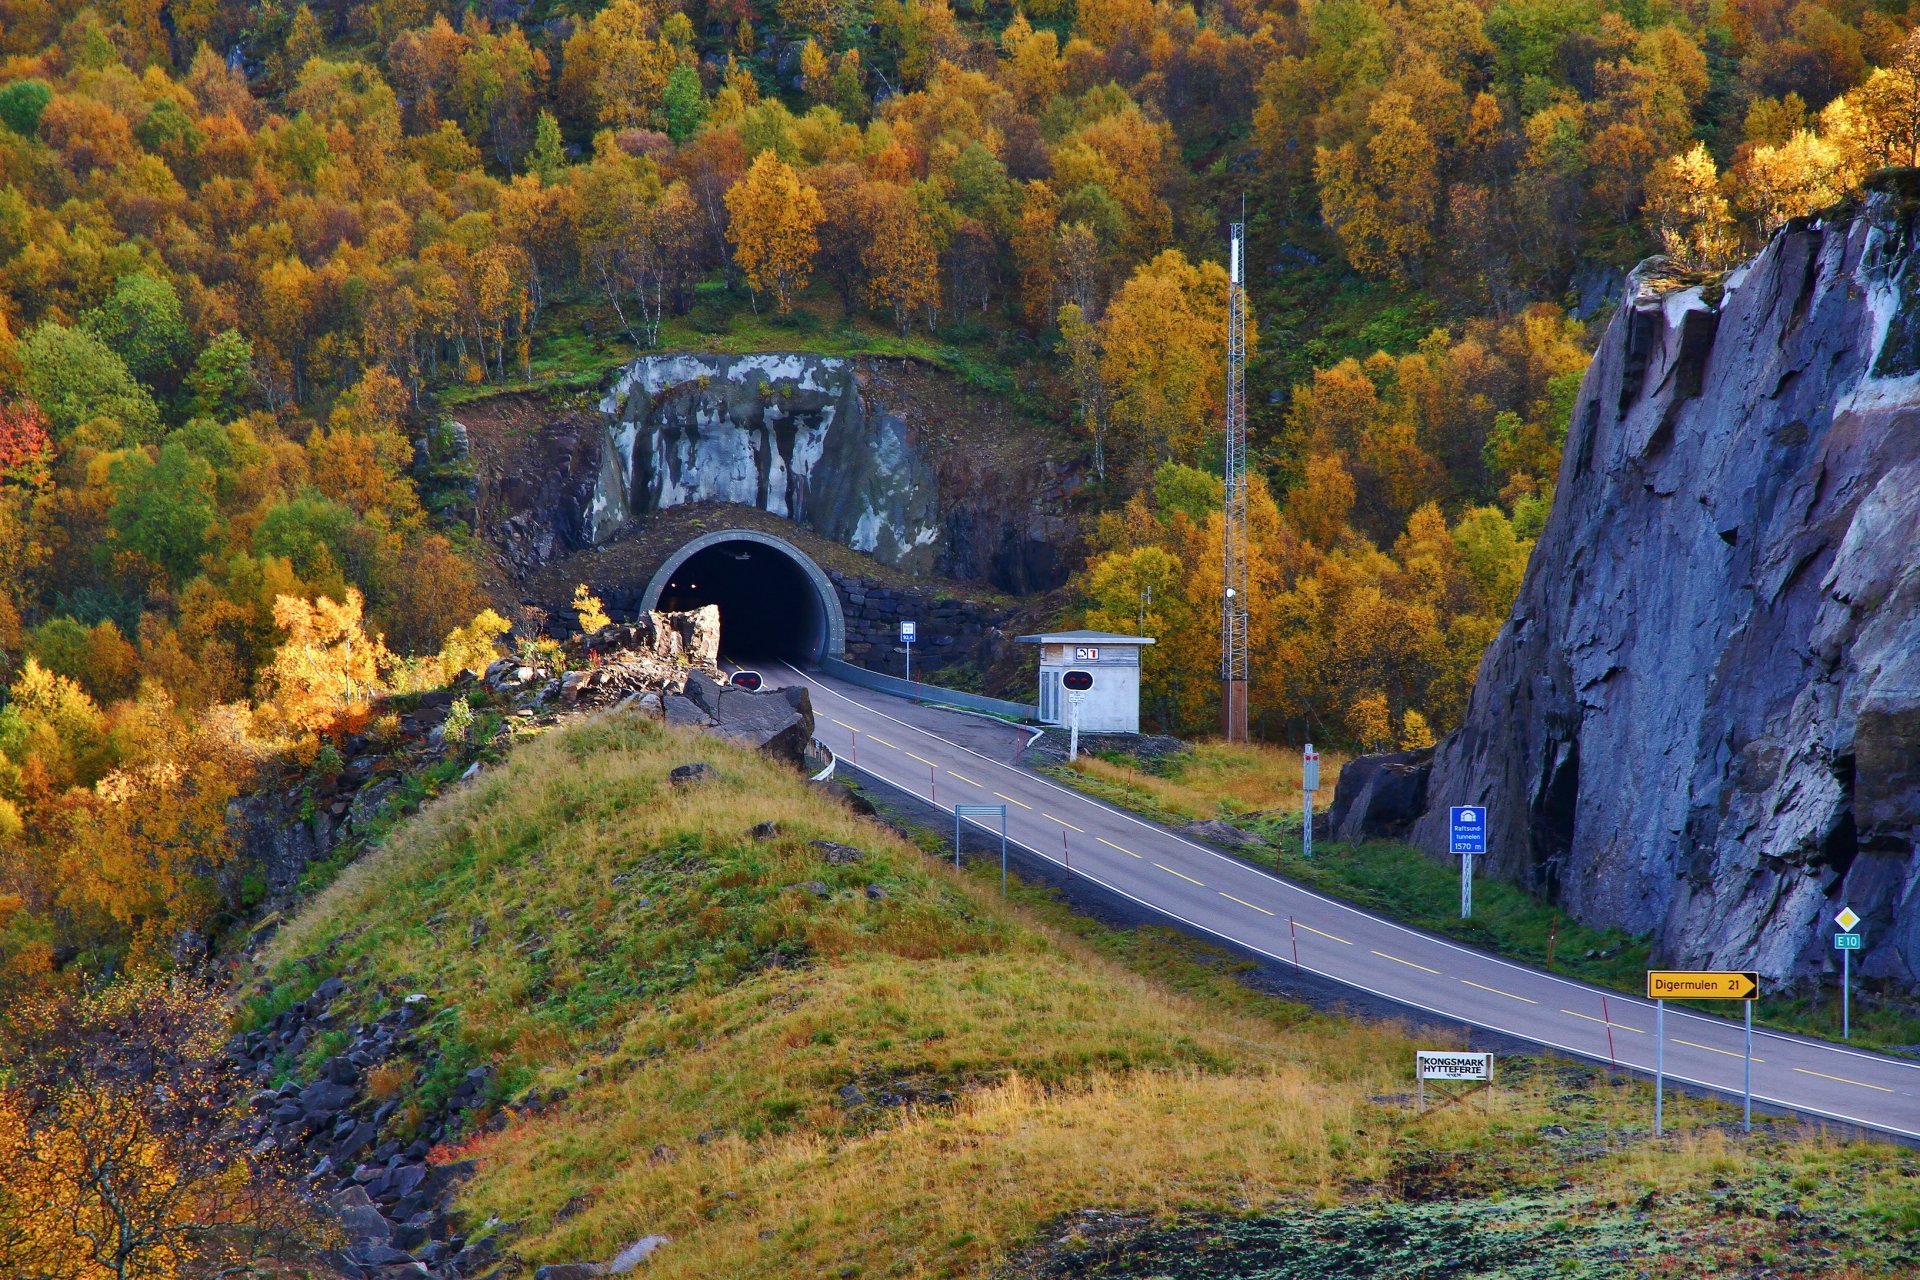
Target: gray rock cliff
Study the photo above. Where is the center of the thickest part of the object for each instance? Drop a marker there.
(784, 432)
(1702, 719)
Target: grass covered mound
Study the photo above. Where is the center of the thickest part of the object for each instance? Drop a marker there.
(821, 1052)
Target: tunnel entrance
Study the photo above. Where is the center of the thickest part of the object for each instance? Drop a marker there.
(774, 601)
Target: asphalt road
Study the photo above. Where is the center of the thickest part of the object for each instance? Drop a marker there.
(949, 758)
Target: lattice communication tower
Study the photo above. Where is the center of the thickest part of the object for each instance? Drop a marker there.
(1233, 594)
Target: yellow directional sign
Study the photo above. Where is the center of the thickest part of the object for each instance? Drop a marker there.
(1681, 984)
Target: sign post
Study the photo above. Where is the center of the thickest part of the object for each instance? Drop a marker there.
(1702, 984)
(974, 812)
(1846, 943)
(909, 632)
(1076, 683)
(1309, 783)
(1459, 1068)
(1466, 836)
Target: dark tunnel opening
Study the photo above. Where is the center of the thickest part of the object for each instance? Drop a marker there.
(769, 607)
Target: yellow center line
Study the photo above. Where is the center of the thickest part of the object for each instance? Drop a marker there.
(1063, 822)
(1170, 871)
(1323, 933)
(1497, 991)
(1410, 964)
(1010, 800)
(874, 737)
(964, 778)
(1111, 845)
(921, 759)
(1243, 902)
(1710, 1049)
(1842, 1079)
(1603, 1022)
(843, 724)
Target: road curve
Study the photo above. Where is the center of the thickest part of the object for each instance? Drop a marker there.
(948, 758)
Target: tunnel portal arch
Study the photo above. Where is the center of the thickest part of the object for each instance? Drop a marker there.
(782, 603)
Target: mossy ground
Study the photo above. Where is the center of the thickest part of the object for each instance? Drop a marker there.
(797, 1066)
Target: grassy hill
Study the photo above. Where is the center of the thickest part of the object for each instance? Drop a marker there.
(796, 1061)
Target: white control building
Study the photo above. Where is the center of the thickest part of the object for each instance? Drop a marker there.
(1105, 664)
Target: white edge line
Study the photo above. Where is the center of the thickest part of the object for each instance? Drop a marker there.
(1570, 984)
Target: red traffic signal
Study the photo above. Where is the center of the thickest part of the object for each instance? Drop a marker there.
(746, 680)
(1076, 680)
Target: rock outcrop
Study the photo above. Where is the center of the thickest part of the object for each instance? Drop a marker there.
(786, 433)
(1702, 719)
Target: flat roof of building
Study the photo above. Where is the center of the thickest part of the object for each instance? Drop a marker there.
(1084, 637)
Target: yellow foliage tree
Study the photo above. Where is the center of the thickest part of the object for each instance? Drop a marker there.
(772, 220)
(1687, 213)
(1164, 356)
(474, 645)
(327, 665)
(901, 261)
(587, 607)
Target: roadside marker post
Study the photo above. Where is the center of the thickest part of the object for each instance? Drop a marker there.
(1698, 984)
(1309, 783)
(975, 812)
(1846, 943)
(1466, 836)
(1294, 935)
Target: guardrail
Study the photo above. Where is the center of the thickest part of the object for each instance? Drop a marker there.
(826, 753)
(881, 683)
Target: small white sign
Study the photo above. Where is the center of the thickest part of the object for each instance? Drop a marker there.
(1846, 919)
(1434, 1065)
(909, 631)
(1086, 653)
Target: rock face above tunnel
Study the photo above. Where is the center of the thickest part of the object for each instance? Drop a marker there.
(1703, 717)
(787, 433)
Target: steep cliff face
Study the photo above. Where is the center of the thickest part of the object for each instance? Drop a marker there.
(786, 433)
(1703, 717)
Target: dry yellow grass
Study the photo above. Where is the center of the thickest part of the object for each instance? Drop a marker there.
(1219, 779)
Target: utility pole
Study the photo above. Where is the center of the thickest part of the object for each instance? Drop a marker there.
(1233, 597)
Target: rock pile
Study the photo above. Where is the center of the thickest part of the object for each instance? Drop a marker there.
(391, 1202)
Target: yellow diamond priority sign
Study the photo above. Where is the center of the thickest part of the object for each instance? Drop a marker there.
(1846, 919)
(1679, 984)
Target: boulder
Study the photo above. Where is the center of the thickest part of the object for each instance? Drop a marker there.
(1223, 835)
(685, 712)
(689, 775)
(635, 1254)
(704, 691)
(1379, 797)
(833, 853)
(572, 1271)
(778, 722)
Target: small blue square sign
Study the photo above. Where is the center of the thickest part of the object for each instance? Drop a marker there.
(1467, 828)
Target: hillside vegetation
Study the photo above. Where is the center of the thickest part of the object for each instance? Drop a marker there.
(250, 250)
(797, 1063)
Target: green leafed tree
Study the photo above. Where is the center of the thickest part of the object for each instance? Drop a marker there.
(163, 510)
(142, 322)
(76, 379)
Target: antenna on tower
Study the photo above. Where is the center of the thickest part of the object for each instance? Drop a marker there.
(1233, 594)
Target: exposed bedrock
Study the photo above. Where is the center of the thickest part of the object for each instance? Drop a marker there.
(799, 436)
(1702, 719)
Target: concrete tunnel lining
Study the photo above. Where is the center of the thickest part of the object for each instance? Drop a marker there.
(828, 629)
